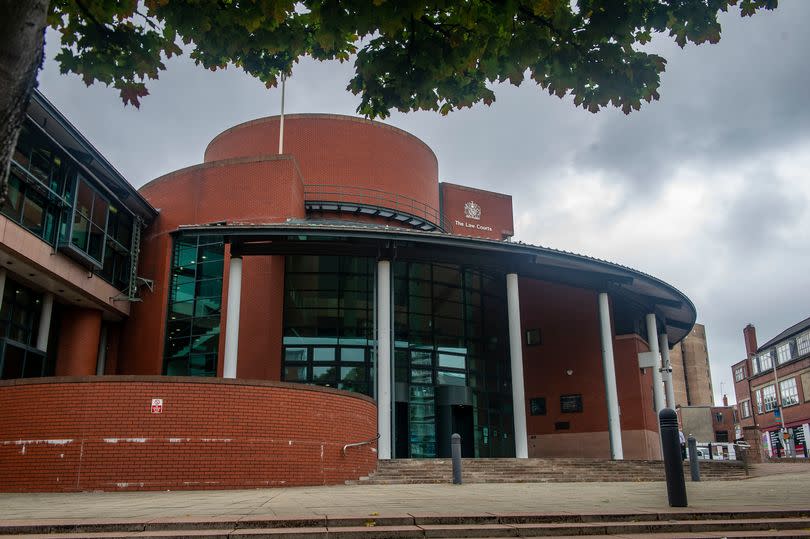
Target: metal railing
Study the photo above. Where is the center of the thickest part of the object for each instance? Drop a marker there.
(358, 444)
(377, 198)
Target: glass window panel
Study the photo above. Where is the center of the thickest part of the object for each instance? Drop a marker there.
(99, 217)
(81, 232)
(783, 353)
(201, 326)
(295, 355)
(765, 361)
(295, 374)
(206, 343)
(419, 271)
(449, 326)
(178, 347)
(323, 354)
(96, 246)
(352, 354)
(451, 361)
(420, 305)
(324, 375)
(13, 359)
(421, 376)
(33, 365)
(183, 291)
(355, 300)
(208, 307)
(12, 206)
(209, 288)
(177, 367)
(84, 198)
(179, 328)
(421, 358)
(202, 364)
(33, 215)
(352, 374)
(444, 378)
(446, 274)
(210, 270)
(789, 392)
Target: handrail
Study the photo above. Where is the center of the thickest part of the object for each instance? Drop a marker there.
(358, 444)
(378, 197)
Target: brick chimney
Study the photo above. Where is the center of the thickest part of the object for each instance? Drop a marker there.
(725, 401)
(750, 337)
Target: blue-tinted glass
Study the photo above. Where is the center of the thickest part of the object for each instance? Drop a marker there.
(194, 307)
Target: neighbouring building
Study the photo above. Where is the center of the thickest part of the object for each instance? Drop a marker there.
(288, 316)
(772, 386)
(709, 423)
(691, 373)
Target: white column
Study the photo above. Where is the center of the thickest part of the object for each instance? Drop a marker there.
(384, 359)
(516, 360)
(663, 344)
(658, 384)
(101, 363)
(232, 317)
(609, 371)
(45, 322)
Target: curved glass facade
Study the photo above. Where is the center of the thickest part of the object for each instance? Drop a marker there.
(195, 303)
(451, 358)
(451, 366)
(329, 321)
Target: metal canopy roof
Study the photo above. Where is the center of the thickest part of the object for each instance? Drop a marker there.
(630, 289)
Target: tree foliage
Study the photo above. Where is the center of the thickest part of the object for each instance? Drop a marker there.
(435, 55)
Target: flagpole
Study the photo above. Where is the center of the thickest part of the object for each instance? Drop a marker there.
(281, 122)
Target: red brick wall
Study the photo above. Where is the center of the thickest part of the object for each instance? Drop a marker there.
(260, 190)
(340, 150)
(79, 332)
(78, 434)
(496, 220)
(568, 321)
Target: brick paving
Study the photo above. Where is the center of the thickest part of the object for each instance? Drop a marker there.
(770, 491)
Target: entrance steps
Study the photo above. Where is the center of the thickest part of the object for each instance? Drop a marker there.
(409, 471)
(705, 524)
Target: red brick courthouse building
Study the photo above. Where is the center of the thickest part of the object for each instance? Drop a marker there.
(290, 317)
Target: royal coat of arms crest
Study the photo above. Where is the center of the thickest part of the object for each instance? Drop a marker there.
(472, 210)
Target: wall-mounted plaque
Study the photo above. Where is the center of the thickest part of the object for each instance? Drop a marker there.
(570, 403)
(533, 337)
(537, 406)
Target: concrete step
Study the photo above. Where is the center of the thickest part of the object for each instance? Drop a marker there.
(786, 523)
(409, 471)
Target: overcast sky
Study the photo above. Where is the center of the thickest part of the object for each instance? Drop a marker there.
(706, 189)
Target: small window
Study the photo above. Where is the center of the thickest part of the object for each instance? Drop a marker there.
(562, 425)
(537, 406)
(745, 408)
(769, 398)
(718, 417)
(789, 392)
(783, 353)
(765, 361)
(721, 436)
(533, 337)
(739, 374)
(570, 403)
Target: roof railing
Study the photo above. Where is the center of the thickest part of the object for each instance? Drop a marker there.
(375, 197)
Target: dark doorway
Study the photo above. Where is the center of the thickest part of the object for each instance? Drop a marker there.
(463, 425)
(401, 429)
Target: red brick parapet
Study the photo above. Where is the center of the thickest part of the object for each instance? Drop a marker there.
(99, 433)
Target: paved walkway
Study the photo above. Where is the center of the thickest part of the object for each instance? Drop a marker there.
(772, 491)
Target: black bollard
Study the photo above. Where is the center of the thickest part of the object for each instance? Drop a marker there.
(671, 448)
(455, 448)
(694, 465)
